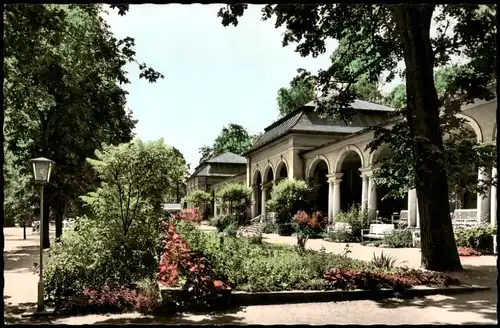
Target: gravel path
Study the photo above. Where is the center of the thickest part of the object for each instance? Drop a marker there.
(475, 308)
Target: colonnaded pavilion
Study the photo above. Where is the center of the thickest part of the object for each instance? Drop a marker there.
(332, 154)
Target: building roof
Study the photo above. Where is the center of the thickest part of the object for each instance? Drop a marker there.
(306, 120)
(362, 105)
(227, 158)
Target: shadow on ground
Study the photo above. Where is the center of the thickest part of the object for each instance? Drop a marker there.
(213, 318)
(20, 258)
(483, 303)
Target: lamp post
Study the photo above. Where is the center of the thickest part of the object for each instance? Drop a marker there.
(41, 170)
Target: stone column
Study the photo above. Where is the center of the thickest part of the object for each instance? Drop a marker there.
(336, 179)
(493, 199)
(330, 200)
(264, 200)
(418, 217)
(364, 187)
(412, 208)
(372, 197)
(255, 204)
(483, 201)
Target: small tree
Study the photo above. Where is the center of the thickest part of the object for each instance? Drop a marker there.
(235, 197)
(199, 198)
(287, 198)
(306, 225)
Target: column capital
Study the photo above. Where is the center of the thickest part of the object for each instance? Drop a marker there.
(335, 178)
(366, 171)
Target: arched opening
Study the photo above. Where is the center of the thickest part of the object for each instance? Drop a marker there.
(351, 185)
(388, 206)
(282, 172)
(269, 175)
(258, 198)
(465, 199)
(320, 185)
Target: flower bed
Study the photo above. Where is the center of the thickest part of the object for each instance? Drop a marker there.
(107, 300)
(466, 251)
(262, 268)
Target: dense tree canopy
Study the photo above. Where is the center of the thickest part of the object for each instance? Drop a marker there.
(463, 154)
(62, 95)
(233, 138)
(380, 37)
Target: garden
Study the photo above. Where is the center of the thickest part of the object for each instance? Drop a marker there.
(116, 258)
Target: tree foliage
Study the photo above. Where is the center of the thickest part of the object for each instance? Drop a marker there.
(135, 177)
(199, 198)
(62, 95)
(287, 198)
(235, 197)
(380, 37)
(463, 155)
(300, 92)
(233, 138)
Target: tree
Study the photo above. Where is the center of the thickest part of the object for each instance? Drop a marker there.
(387, 35)
(235, 197)
(135, 177)
(462, 153)
(62, 99)
(233, 138)
(300, 92)
(199, 197)
(287, 198)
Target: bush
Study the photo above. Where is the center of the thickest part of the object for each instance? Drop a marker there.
(287, 198)
(231, 229)
(189, 214)
(198, 198)
(356, 218)
(108, 300)
(341, 234)
(253, 267)
(270, 227)
(187, 268)
(385, 262)
(91, 257)
(398, 238)
(478, 238)
(306, 225)
(222, 222)
(235, 197)
(464, 251)
(348, 279)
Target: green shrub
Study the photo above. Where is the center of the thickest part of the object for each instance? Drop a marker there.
(398, 238)
(287, 198)
(263, 267)
(270, 227)
(235, 198)
(385, 262)
(357, 219)
(222, 222)
(122, 239)
(89, 257)
(231, 229)
(478, 238)
(198, 197)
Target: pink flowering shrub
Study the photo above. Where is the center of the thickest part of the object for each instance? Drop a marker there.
(190, 214)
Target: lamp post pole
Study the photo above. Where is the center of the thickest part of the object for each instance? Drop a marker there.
(41, 171)
(41, 303)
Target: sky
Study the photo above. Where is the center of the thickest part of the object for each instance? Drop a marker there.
(214, 75)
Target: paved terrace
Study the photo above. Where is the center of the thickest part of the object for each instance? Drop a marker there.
(476, 308)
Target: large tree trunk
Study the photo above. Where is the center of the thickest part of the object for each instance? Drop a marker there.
(439, 250)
